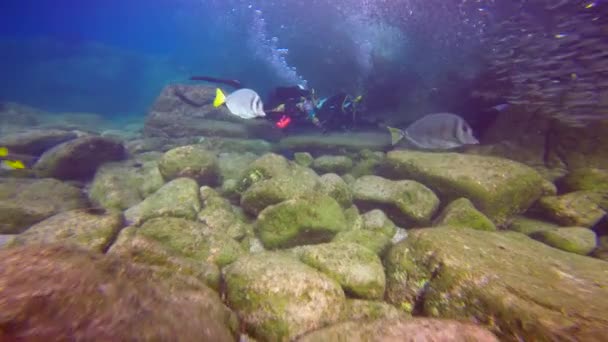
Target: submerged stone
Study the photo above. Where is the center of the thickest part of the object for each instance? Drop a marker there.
(178, 198)
(401, 329)
(462, 213)
(79, 158)
(304, 220)
(334, 186)
(360, 309)
(518, 287)
(588, 178)
(372, 240)
(580, 208)
(498, 187)
(357, 269)
(49, 293)
(407, 203)
(279, 298)
(579, 240)
(24, 202)
(35, 141)
(332, 164)
(377, 222)
(526, 225)
(191, 161)
(85, 228)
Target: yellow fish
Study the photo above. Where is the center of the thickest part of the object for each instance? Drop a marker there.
(9, 164)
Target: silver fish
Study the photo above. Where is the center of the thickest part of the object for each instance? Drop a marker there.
(244, 103)
(440, 131)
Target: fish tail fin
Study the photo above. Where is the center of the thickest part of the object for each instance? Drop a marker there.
(220, 98)
(396, 134)
(3, 151)
(14, 164)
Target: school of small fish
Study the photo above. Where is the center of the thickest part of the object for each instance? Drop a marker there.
(555, 59)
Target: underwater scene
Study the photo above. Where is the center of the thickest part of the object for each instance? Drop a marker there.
(304, 170)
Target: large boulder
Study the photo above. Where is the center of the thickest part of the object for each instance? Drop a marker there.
(79, 158)
(122, 185)
(401, 329)
(357, 269)
(185, 238)
(579, 240)
(336, 142)
(36, 141)
(187, 110)
(87, 228)
(279, 298)
(497, 187)
(297, 181)
(304, 220)
(518, 287)
(332, 164)
(50, 293)
(178, 198)
(407, 203)
(579, 208)
(163, 260)
(462, 213)
(334, 186)
(191, 161)
(24, 202)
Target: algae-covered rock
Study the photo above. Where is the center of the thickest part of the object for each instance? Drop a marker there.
(360, 309)
(372, 240)
(178, 198)
(278, 298)
(191, 161)
(35, 141)
(407, 203)
(377, 221)
(232, 165)
(526, 225)
(462, 213)
(588, 178)
(357, 269)
(368, 163)
(219, 215)
(88, 229)
(303, 158)
(78, 158)
(354, 221)
(518, 287)
(601, 252)
(498, 187)
(165, 262)
(334, 186)
(267, 166)
(401, 329)
(304, 220)
(577, 240)
(296, 182)
(123, 185)
(578, 208)
(51, 292)
(332, 164)
(24, 202)
(191, 239)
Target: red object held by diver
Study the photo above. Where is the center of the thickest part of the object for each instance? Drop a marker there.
(283, 122)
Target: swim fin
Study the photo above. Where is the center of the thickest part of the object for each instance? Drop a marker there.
(396, 134)
(220, 98)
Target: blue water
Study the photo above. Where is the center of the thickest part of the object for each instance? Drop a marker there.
(113, 57)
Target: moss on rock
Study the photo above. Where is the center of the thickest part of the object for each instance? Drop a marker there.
(192, 161)
(332, 164)
(462, 213)
(278, 297)
(377, 243)
(334, 186)
(178, 198)
(498, 187)
(308, 219)
(357, 269)
(580, 208)
(407, 203)
(85, 228)
(577, 240)
(518, 287)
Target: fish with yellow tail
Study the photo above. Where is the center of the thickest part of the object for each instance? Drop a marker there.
(9, 164)
(244, 103)
(440, 131)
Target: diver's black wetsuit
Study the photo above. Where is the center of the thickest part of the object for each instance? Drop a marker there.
(338, 112)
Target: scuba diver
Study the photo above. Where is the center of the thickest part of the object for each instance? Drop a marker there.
(299, 105)
(293, 107)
